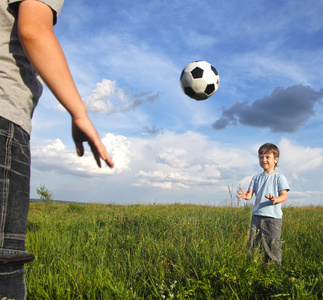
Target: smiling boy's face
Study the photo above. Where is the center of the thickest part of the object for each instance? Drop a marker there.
(268, 162)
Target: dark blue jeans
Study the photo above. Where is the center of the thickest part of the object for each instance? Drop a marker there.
(14, 205)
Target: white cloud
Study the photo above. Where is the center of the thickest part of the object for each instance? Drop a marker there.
(299, 160)
(304, 198)
(186, 160)
(170, 180)
(188, 163)
(107, 98)
(103, 95)
(193, 162)
(54, 156)
(119, 148)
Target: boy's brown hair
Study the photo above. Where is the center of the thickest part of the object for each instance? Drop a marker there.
(269, 148)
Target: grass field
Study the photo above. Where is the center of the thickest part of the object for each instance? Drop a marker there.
(90, 251)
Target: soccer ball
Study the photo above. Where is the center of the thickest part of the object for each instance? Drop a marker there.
(199, 80)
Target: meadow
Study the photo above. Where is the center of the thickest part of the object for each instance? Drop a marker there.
(93, 251)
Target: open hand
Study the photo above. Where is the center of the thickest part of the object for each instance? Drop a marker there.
(271, 198)
(242, 194)
(84, 131)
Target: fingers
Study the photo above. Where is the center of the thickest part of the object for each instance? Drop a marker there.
(83, 131)
(109, 162)
(99, 152)
(79, 148)
(106, 157)
(271, 198)
(239, 191)
(96, 154)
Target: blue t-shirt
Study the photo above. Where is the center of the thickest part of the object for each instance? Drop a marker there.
(263, 185)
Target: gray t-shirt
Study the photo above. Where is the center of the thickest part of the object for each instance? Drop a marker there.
(20, 86)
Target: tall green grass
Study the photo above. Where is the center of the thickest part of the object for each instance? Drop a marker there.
(167, 252)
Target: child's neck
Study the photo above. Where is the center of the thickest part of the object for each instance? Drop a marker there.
(269, 171)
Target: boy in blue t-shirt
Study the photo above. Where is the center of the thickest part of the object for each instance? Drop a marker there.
(270, 189)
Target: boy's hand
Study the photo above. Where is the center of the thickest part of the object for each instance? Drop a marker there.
(242, 194)
(271, 198)
(281, 198)
(83, 131)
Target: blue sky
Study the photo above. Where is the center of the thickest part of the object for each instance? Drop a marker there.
(126, 58)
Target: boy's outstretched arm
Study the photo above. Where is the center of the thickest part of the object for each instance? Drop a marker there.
(35, 29)
(281, 198)
(244, 195)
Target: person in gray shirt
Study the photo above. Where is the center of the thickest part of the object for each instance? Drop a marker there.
(29, 55)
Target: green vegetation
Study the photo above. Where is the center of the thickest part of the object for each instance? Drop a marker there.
(44, 194)
(90, 251)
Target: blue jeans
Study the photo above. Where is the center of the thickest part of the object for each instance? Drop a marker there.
(265, 233)
(14, 206)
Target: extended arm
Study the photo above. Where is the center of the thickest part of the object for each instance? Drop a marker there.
(244, 195)
(281, 198)
(35, 28)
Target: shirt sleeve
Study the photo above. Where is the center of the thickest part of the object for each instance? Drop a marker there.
(283, 184)
(55, 5)
(252, 184)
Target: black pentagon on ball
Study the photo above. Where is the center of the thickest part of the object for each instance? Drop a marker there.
(200, 96)
(189, 91)
(197, 72)
(210, 88)
(214, 70)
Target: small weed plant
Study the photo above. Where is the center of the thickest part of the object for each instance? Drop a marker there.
(44, 194)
